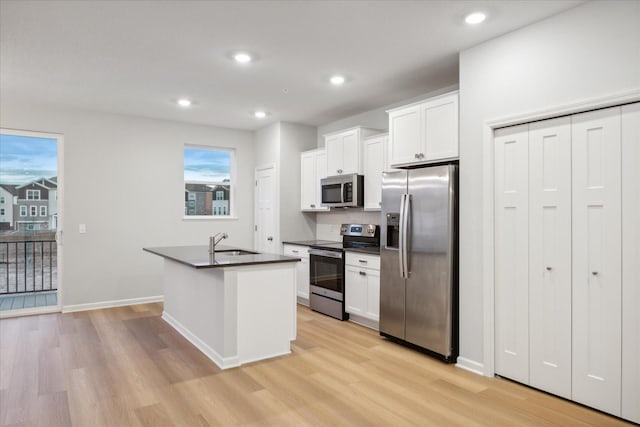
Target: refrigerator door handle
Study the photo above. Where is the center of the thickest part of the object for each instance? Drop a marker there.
(401, 237)
(405, 232)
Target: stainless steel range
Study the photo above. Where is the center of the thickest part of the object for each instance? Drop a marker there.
(326, 264)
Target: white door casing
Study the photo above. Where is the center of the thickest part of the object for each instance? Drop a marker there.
(550, 255)
(511, 253)
(596, 325)
(266, 227)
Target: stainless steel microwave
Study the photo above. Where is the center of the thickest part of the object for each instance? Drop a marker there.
(343, 191)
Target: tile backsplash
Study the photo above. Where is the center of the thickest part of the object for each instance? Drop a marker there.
(328, 223)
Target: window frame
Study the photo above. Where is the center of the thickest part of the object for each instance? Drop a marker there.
(232, 184)
(24, 210)
(32, 209)
(2, 212)
(35, 193)
(41, 209)
(2, 200)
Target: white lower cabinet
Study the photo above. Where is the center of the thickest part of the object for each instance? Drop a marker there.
(567, 257)
(362, 288)
(302, 270)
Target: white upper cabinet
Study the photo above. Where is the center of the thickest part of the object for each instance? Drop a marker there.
(375, 162)
(344, 150)
(313, 167)
(424, 132)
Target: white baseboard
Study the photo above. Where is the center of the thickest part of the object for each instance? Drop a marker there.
(33, 311)
(363, 321)
(110, 304)
(470, 365)
(303, 301)
(222, 362)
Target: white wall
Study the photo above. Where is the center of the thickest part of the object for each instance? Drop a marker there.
(590, 51)
(124, 180)
(294, 138)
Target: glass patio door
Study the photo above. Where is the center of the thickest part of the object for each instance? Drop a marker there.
(30, 216)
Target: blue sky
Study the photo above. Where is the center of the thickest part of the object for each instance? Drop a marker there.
(24, 158)
(206, 165)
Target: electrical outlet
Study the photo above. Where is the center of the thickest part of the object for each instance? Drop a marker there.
(82, 228)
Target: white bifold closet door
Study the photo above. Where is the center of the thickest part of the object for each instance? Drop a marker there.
(597, 265)
(631, 262)
(512, 253)
(550, 256)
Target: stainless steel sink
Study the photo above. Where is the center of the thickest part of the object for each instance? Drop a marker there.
(235, 252)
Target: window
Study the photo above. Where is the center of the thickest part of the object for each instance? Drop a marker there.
(43, 211)
(23, 211)
(2, 200)
(208, 181)
(33, 210)
(33, 194)
(2, 211)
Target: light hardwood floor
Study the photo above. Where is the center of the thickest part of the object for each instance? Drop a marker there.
(126, 367)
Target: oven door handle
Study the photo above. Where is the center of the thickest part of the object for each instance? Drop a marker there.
(330, 254)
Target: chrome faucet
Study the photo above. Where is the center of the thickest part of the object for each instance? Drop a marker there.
(214, 240)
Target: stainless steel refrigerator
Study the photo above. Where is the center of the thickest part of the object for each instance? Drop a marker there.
(418, 259)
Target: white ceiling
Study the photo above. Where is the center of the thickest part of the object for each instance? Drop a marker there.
(139, 57)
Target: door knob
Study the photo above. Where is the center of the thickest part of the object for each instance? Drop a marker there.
(270, 238)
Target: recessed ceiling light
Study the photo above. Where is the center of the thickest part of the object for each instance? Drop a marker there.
(260, 114)
(184, 102)
(475, 18)
(337, 80)
(242, 57)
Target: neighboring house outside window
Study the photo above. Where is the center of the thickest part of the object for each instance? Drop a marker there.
(2, 201)
(33, 194)
(23, 210)
(2, 211)
(208, 181)
(43, 211)
(33, 210)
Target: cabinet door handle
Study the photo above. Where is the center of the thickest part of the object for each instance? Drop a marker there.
(549, 269)
(313, 206)
(270, 239)
(295, 252)
(379, 203)
(595, 273)
(363, 260)
(422, 155)
(362, 273)
(417, 156)
(339, 171)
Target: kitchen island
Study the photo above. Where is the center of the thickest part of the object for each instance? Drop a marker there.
(236, 307)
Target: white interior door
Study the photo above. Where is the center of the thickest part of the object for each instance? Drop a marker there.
(265, 229)
(550, 255)
(511, 253)
(596, 352)
(631, 262)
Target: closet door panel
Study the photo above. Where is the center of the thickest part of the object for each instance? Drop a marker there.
(596, 325)
(550, 255)
(511, 253)
(631, 262)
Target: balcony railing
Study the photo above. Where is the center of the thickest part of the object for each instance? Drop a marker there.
(28, 266)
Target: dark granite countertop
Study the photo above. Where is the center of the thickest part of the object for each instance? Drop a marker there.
(309, 242)
(198, 256)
